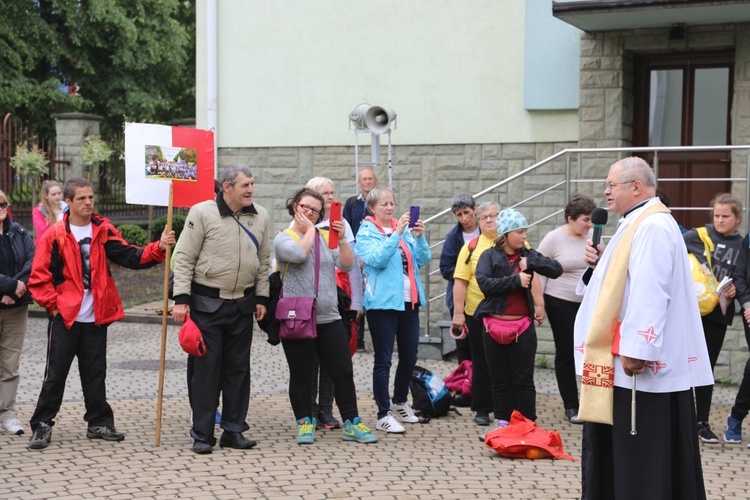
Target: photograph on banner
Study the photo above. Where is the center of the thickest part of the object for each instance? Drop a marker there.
(155, 154)
(171, 163)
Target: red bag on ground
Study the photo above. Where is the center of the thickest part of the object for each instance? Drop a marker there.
(523, 439)
(459, 380)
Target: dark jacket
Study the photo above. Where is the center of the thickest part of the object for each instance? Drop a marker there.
(741, 274)
(23, 252)
(56, 280)
(454, 242)
(495, 279)
(727, 250)
(355, 211)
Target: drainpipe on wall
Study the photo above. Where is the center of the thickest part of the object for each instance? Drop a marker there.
(212, 80)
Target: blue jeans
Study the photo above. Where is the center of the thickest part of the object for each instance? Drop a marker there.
(387, 325)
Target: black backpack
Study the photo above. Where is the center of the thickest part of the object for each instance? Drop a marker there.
(430, 395)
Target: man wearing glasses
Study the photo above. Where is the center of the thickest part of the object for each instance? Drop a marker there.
(638, 337)
(220, 282)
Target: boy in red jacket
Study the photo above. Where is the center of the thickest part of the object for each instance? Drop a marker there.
(70, 278)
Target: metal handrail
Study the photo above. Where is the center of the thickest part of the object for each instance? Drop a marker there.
(567, 182)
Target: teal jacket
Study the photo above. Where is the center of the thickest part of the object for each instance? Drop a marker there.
(383, 273)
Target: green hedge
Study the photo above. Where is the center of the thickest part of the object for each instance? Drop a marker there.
(157, 227)
(135, 235)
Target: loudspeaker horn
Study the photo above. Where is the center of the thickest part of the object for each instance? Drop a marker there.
(375, 119)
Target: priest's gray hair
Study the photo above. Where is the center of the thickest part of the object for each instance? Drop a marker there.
(636, 169)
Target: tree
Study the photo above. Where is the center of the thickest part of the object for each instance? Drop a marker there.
(131, 59)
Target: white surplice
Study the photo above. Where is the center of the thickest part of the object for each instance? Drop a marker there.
(660, 322)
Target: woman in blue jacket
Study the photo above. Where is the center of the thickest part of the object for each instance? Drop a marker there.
(392, 256)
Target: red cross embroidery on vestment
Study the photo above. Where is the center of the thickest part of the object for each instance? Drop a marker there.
(598, 375)
(649, 335)
(692, 358)
(655, 366)
(579, 348)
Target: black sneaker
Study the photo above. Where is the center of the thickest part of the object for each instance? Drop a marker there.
(705, 433)
(41, 437)
(104, 432)
(328, 420)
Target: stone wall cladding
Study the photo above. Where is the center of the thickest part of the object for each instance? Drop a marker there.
(606, 115)
(425, 175)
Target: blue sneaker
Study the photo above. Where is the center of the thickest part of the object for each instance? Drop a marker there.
(217, 418)
(734, 430)
(356, 431)
(306, 431)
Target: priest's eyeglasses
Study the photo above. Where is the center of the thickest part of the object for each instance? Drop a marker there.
(611, 185)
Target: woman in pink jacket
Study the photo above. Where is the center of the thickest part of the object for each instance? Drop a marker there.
(50, 208)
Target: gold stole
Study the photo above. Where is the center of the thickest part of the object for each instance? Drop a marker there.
(598, 381)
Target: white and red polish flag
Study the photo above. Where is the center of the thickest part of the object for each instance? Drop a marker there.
(158, 154)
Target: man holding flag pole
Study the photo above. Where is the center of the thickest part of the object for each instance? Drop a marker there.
(70, 278)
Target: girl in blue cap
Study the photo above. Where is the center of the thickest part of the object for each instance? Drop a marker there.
(506, 274)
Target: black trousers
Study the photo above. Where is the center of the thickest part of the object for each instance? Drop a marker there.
(332, 346)
(742, 401)
(661, 461)
(714, 333)
(225, 369)
(511, 369)
(481, 389)
(87, 342)
(562, 318)
(463, 346)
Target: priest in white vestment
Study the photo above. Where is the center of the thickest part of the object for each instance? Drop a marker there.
(659, 338)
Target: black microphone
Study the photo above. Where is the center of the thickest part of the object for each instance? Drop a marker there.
(599, 218)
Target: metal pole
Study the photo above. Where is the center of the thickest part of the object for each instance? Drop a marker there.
(567, 178)
(390, 161)
(427, 291)
(656, 167)
(747, 195)
(356, 159)
(633, 432)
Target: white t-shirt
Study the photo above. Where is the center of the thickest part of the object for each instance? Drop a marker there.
(82, 235)
(470, 236)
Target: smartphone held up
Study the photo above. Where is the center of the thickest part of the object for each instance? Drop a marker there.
(335, 215)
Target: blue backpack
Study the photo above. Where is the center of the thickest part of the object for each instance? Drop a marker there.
(430, 395)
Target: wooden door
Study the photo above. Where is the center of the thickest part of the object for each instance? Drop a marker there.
(684, 100)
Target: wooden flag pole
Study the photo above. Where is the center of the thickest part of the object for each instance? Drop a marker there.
(164, 318)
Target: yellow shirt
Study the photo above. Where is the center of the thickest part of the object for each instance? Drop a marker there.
(467, 272)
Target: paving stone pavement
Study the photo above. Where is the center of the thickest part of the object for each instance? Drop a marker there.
(443, 459)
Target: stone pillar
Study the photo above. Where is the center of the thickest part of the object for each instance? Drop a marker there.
(72, 130)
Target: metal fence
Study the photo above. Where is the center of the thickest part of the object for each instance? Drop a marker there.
(542, 189)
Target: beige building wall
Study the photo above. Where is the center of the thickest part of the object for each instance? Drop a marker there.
(291, 70)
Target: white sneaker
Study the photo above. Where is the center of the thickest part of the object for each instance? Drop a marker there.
(390, 424)
(405, 413)
(13, 426)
